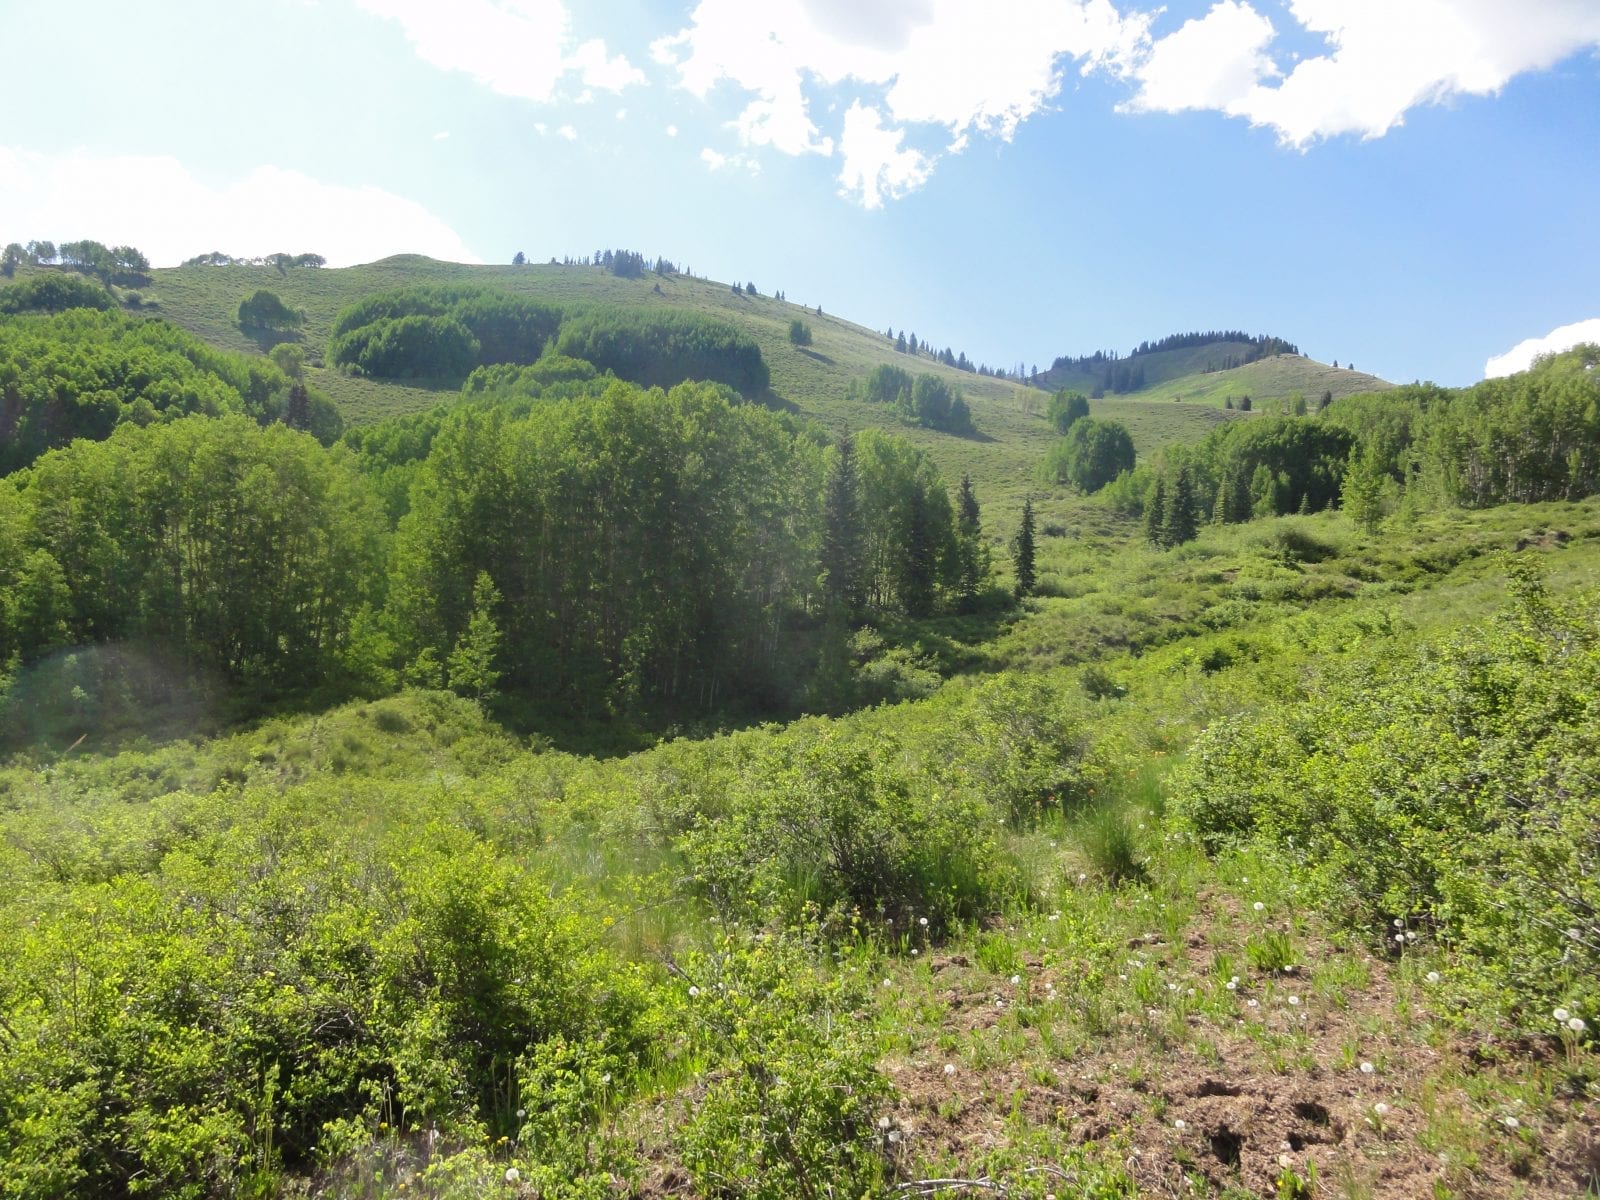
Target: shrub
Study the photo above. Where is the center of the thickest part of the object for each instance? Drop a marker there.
(792, 1111)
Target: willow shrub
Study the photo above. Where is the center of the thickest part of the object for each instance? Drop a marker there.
(273, 993)
(1451, 787)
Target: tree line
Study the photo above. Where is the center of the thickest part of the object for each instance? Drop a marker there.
(591, 546)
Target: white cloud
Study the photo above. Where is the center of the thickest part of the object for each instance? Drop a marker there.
(598, 71)
(158, 206)
(568, 132)
(672, 131)
(729, 162)
(1520, 357)
(951, 63)
(514, 47)
(1209, 63)
(875, 166)
(1385, 57)
(442, 136)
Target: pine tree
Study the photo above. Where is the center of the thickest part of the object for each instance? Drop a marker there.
(1155, 514)
(471, 666)
(974, 553)
(917, 575)
(1181, 524)
(1361, 494)
(843, 584)
(1022, 552)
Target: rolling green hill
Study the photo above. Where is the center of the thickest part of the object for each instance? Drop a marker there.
(812, 380)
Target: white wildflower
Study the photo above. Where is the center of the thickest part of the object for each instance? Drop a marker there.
(1367, 1068)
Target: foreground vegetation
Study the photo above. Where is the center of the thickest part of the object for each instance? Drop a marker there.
(1247, 854)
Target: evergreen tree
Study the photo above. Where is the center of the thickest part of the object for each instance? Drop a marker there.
(1022, 551)
(519, 259)
(917, 571)
(843, 566)
(1155, 514)
(970, 546)
(471, 664)
(1361, 496)
(1181, 524)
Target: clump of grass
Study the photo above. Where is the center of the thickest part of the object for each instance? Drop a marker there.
(1108, 837)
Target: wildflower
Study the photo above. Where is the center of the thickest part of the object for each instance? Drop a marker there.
(1561, 1015)
(1433, 977)
(522, 1114)
(1180, 1124)
(913, 953)
(888, 983)
(1367, 1068)
(883, 1122)
(1294, 1001)
(1259, 907)
(1381, 1108)
(1251, 1004)
(949, 1069)
(923, 921)
(693, 991)
(1574, 933)
(1577, 1025)
(512, 1175)
(1016, 979)
(1082, 876)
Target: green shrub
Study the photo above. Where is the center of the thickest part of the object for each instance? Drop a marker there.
(790, 1110)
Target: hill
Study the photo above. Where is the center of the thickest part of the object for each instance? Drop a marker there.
(811, 380)
(1208, 369)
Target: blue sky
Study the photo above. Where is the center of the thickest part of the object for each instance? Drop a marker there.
(1410, 186)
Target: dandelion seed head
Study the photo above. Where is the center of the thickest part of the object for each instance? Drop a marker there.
(1433, 977)
(1294, 1000)
(1180, 1123)
(1381, 1108)
(949, 1068)
(1577, 1025)
(1259, 907)
(512, 1175)
(1367, 1068)
(1561, 1014)
(693, 991)
(1511, 1123)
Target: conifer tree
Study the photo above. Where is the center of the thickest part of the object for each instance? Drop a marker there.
(843, 584)
(1022, 552)
(1361, 495)
(917, 573)
(974, 554)
(1181, 524)
(471, 664)
(1155, 514)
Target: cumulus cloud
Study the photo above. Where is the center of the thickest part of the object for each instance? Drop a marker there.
(716, 161)
(950, 63)
(1520, 357)
(1209, 63)
(875, 165)
(1384, 58)
(514, 47)
(154, 203)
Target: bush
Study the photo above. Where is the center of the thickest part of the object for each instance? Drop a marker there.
(824, 822)
(54, 293)
(799, 333)
(265, 310)
(793, 1111)
(1448, 786)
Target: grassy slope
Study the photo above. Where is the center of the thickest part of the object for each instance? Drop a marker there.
(1002, 460)
(1267, 381)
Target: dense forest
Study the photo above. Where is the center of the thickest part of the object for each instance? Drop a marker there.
(608, 778)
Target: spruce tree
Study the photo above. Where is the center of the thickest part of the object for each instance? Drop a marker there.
(1181, 524)
(843, 586)
(1155, 514)
(917, 571)
(974, 554)
(1022, 552)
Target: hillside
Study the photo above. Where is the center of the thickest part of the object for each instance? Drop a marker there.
(1213, 371)
(1013, 435)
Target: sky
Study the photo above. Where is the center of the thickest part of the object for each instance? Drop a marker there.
(1410, 187)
